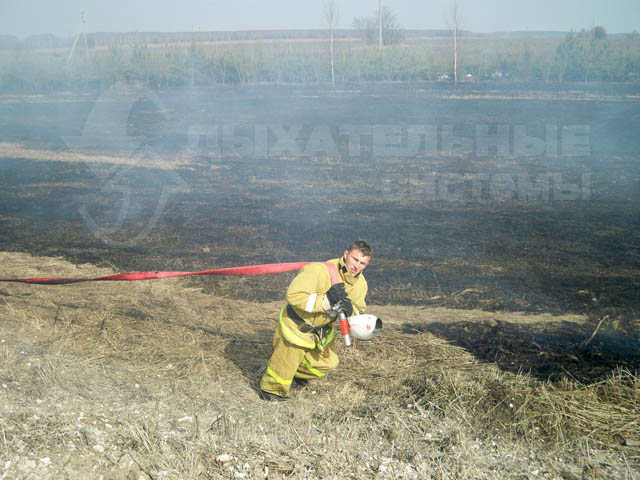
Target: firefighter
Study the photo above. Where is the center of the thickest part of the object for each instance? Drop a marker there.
(303, 346)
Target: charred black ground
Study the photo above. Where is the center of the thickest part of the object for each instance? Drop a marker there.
(579, 255)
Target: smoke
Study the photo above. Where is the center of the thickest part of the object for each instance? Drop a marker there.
(524, 194)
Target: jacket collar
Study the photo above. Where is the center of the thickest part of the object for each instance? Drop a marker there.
(345, 274)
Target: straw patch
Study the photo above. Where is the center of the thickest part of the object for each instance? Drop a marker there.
(158, 380)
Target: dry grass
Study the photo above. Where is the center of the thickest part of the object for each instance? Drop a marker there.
(157, 380)
(16, 150)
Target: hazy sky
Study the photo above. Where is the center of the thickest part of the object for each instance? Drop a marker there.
(27, 17)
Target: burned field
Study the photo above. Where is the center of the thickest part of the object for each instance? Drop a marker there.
(459, 219)
(464, 209)
(505, 226)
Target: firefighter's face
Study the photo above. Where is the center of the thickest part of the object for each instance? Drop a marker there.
(355, 261)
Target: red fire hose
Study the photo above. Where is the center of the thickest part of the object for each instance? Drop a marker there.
(246, 270)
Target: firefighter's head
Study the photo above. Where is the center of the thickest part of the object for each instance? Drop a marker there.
(357, 257)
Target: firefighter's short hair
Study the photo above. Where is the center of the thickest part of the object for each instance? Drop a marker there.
(363, 246)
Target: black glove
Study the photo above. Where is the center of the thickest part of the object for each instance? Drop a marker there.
(346, 307)
(336, 293)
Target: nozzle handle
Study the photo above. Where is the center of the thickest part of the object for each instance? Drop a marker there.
(344, 329)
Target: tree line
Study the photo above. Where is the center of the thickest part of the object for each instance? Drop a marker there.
(586, 56)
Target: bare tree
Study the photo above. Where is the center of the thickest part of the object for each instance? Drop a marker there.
(331, 16)
(371, 31)
(380, 25)
(454, 18)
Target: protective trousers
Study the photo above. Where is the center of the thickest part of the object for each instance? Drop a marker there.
(290, 360)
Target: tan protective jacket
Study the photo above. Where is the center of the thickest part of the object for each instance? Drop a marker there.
(306, 294)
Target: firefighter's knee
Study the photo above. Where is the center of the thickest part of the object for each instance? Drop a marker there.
(332, 361)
